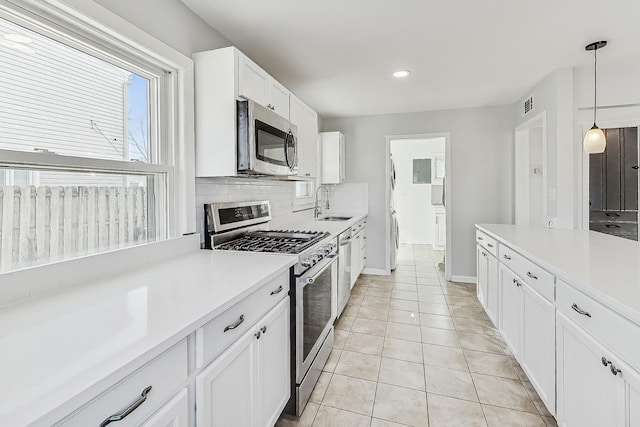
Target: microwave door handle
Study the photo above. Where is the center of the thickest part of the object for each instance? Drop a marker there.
(290, 162)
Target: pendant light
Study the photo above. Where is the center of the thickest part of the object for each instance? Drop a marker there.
(595, 140)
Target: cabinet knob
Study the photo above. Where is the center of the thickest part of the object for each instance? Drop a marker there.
(258, 334)
(507, 257)
(531, 275)
(604, 361)
(614, 370)
(263, 329)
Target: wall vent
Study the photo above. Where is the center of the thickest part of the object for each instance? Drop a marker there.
(527, 106)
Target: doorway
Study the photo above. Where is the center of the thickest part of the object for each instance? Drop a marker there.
(613, 185)
(531, 172)
(417, 213)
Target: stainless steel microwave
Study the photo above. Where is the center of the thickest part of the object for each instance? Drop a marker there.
(267, 142)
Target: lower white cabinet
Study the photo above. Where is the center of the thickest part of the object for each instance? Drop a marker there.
(488, 290)
(595, 387)
(587, 391)
(527, 323)
(248, 384)
(174, 413)
(537, 354)
(511, 310)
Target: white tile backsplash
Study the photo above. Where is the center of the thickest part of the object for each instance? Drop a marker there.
(224, 190)
(349, 197)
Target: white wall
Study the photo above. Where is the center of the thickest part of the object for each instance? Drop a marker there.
(170, 21)
(481, 166)
(348, 198)
(416, 214)
(554, 95)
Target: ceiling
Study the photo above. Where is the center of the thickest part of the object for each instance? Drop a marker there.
(338, 55)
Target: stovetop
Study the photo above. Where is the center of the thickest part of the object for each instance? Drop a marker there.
(278, 241)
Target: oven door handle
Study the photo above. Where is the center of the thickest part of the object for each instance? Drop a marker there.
(318, 269)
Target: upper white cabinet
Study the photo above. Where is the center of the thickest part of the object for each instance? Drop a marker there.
(256, 84)
(306, 120)
(332, 146)
(223, 76)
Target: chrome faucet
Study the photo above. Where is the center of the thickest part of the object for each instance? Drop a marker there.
(317, 210)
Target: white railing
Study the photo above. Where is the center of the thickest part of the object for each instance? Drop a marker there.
(42, 224)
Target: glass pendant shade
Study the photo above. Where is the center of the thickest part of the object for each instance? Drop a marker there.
(594, 141)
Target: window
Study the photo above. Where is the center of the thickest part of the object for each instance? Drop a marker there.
(86, 163)
(304, 195)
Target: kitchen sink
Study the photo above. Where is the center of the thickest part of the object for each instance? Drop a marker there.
(336, 218)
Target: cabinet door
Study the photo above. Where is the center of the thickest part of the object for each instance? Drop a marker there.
(481, 288)
(511, 310)
(274, 387)
(253, 81)
(225, 391)
(343, 159)
(355, 258)
(306, 121)
(278, 98)
(587, 392)
(538, 345)
(173, 414)
(493, 294)
(631, 380)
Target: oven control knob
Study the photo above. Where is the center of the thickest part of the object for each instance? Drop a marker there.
(307, 262)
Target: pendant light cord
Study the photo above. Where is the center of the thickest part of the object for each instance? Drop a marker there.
(595, 84)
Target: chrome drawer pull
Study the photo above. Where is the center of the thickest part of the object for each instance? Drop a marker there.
(490, 245)
(614, 370)
(121, 416)
(531, 275)
(480, 238)
(605, 362)
(579, 310)
(277, 291)
(235, 325)
(264, 329)
(507, 257)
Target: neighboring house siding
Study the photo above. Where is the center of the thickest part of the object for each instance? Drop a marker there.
(50, 98)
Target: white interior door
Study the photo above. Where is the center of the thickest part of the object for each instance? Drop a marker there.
(530, 172)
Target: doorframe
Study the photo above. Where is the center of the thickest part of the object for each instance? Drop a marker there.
(610, 118)
(522, 138)
(447, 189)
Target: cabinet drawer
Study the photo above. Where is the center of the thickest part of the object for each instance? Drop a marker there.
(608, 327)
(165, 374)
(220, 332)
(539, 279)
(359, 226)
(488, 243)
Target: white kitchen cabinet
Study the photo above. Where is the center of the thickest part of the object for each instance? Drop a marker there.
(248, 384)
(440, 235)
(174, 413)
(273, 365)
(332, 164)
(223, 76)
(538, 344)
(511, 310)
(356, 259)
(493, 290)
(482, 272)
(256, 84)
(306, 121)
(588, 394)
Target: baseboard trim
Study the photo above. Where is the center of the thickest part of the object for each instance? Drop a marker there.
(374, 271)
(463, 279)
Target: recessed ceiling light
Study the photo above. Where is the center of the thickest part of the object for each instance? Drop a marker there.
(18, 38)
(401, 73)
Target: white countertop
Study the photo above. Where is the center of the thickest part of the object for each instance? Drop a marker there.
(58, 349)
(310, 224)
(602, 266)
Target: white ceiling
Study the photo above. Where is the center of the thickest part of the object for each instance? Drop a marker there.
(338, 55)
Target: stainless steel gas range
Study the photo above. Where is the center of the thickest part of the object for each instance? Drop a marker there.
(245, 227)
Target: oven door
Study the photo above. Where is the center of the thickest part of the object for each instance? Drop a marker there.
(315, 312)
(267, 142)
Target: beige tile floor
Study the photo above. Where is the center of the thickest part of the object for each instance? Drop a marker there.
(414, 350)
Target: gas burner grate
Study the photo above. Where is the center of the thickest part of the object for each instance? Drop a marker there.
(276, 241)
